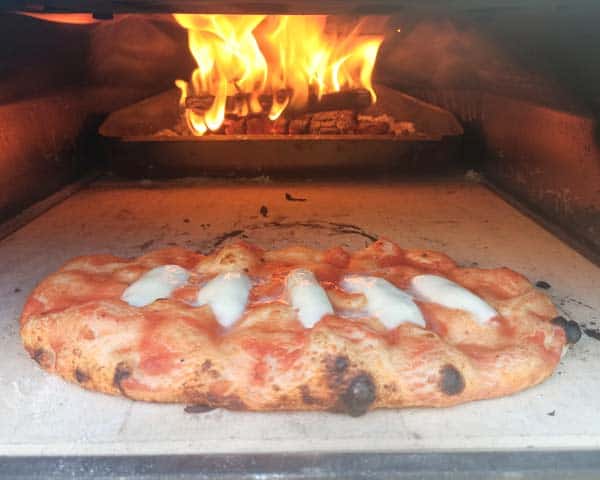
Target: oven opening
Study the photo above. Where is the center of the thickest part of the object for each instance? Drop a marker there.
(293, 93)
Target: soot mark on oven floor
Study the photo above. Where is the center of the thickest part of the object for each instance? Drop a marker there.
(592, 332)
(198, 408)
(333, 227)
(290, 198)
(226, 236)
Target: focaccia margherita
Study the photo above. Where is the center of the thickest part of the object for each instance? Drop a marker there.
(294, 329)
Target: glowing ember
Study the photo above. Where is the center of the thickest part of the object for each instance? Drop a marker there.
(257, 63)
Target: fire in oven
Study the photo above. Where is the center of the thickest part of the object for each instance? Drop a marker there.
(345, 239)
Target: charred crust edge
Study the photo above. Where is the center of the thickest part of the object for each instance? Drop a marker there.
(122, 371)
(359, 395)
(81, 376)
(43, 357)
(570, 327)
(451, 380)
(341, 364)
(307, 397)
(336, 369)
(231, 402)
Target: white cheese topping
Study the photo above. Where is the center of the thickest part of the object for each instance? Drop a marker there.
(388, 303)
(442, 291)
(154, 284)
(307, 296)
(227, 295)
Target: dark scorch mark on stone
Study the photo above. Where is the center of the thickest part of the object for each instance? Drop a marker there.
(291, 198)
(359, 395)
(452, 381)
(264, 211)
(122, 371)
(570, 327)
(198, 408)
(543, 285)
(336, 228)
(594, 333)
(221, 238)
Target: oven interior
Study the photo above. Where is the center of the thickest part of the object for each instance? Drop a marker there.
(493, 158)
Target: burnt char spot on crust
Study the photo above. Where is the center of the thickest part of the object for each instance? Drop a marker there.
(198, 408)
(81, 376)
(232, 402)
(341, 364)
(570, 327)
(359, 395)
(122, 371)
(307, 397)
(452, 381)
(336, 367)
(206, 365)
(43, 357)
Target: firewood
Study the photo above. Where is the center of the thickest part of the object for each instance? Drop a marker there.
(355, 99)
(404, 128)
(199, 104)
(234, 125)
(333, 122)
(280, 126)
(258, 124)
(299, 126)
(374, 125)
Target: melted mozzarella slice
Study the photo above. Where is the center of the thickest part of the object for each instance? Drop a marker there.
(440, 290)
(154, 284)
(388, 303)
(227, 296)
(307, 296)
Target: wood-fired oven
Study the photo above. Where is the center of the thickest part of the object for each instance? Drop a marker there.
(469, 127)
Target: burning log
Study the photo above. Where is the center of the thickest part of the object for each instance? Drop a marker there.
(280, 126)
(335, 122)
(234, 125)
(258, 124)
(355, 99)
(199, 104)
(299, 126)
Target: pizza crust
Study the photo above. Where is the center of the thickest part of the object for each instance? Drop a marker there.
(75, 325)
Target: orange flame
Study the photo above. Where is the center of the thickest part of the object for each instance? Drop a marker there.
(286, 58)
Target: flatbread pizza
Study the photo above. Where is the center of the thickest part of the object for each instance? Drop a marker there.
(294, 329)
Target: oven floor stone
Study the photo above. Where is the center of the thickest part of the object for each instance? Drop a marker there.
(43, 415)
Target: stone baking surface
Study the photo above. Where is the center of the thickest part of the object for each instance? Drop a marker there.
(43, 415)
